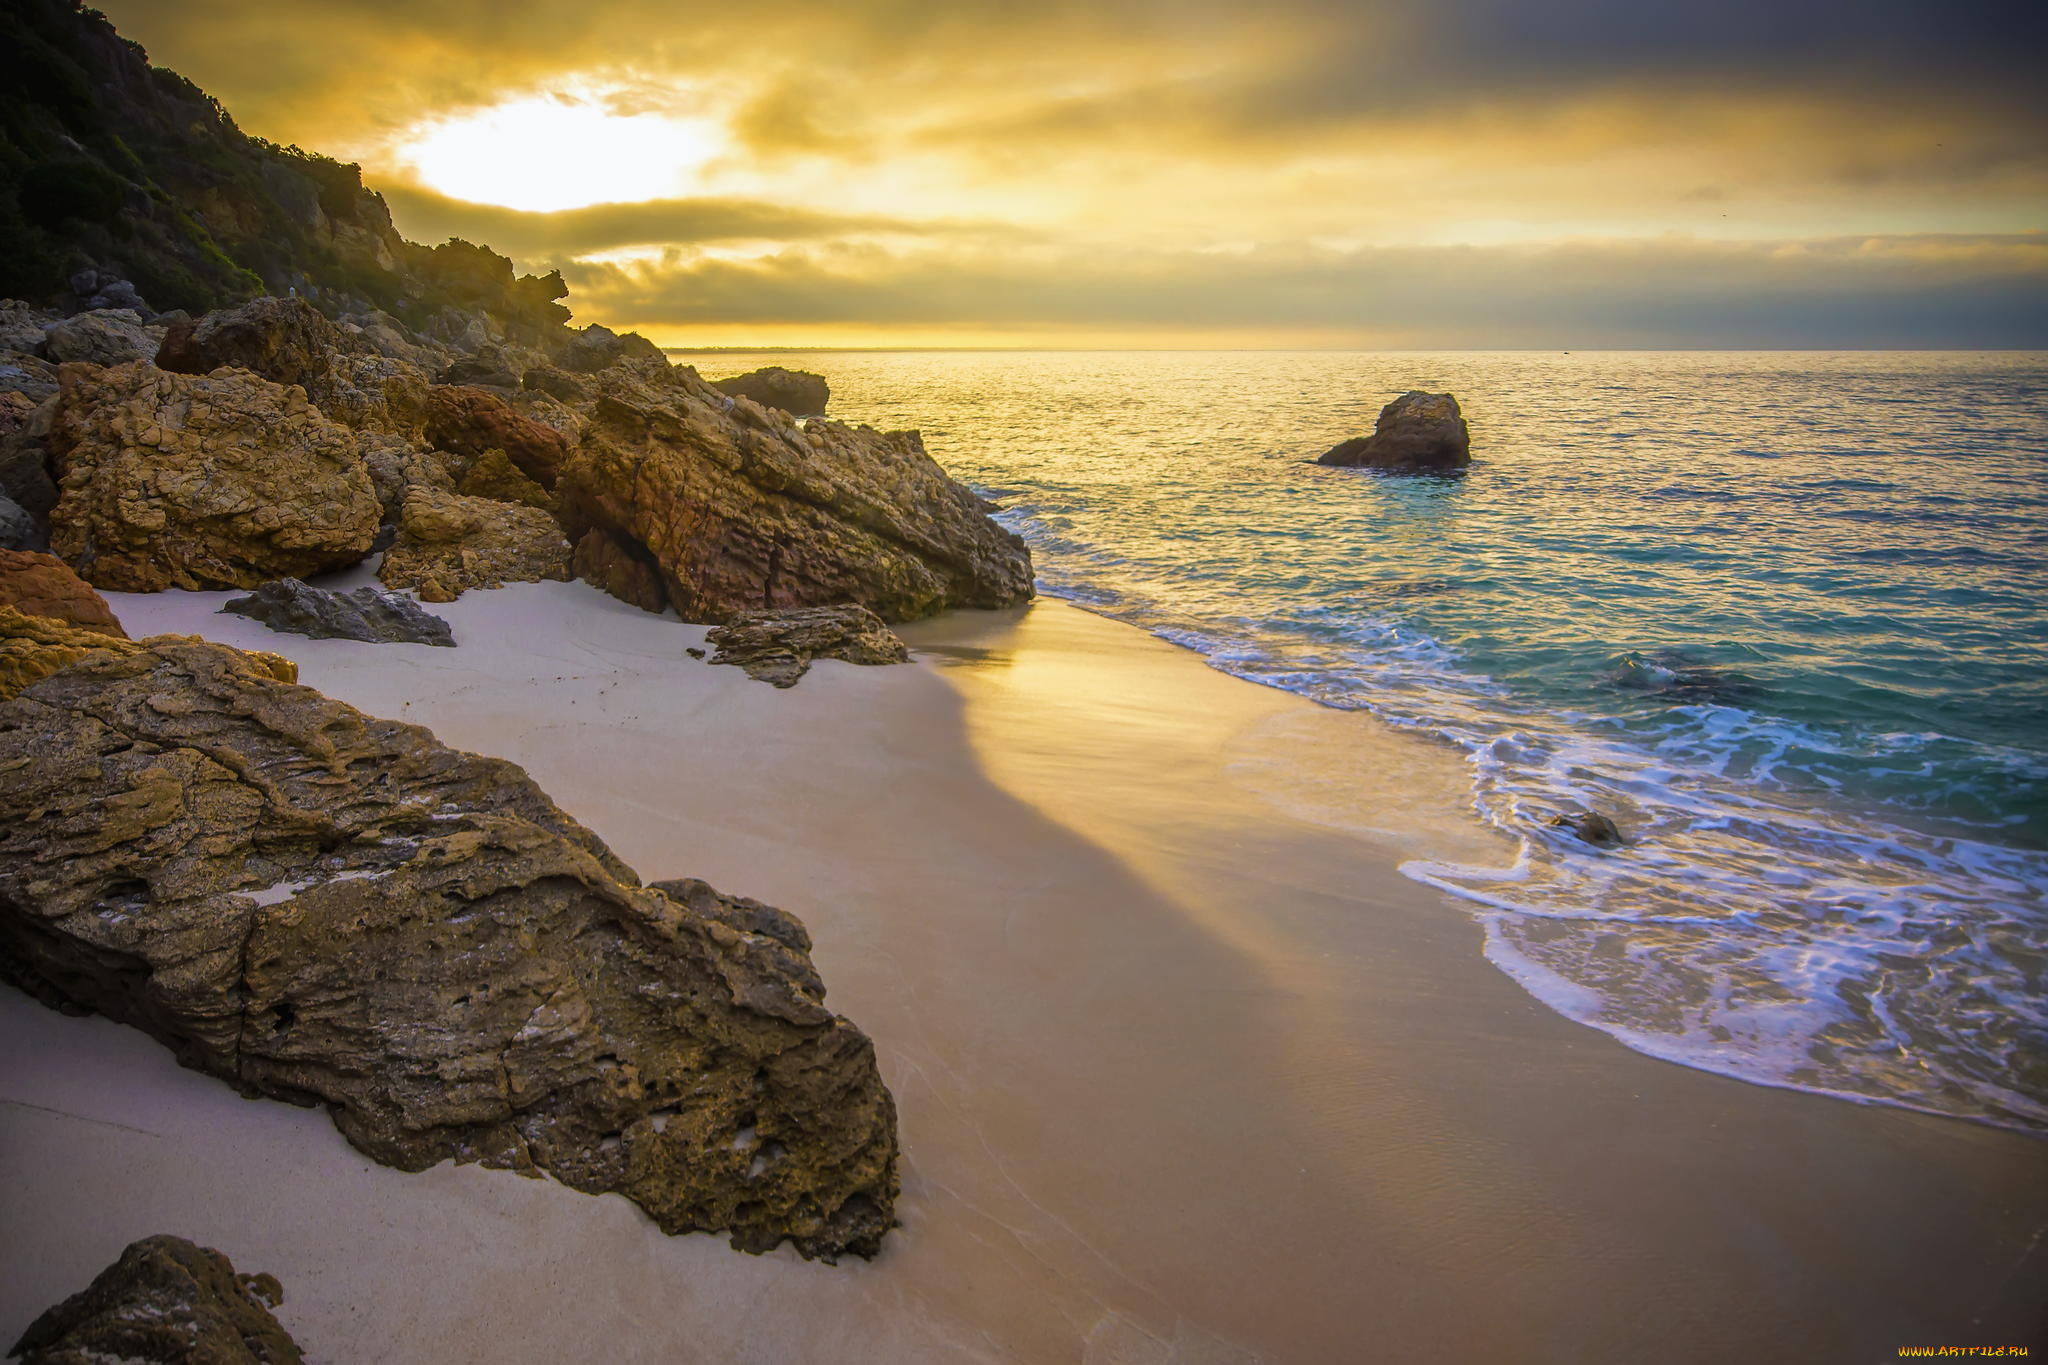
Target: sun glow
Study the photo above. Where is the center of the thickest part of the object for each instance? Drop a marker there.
(548, 152)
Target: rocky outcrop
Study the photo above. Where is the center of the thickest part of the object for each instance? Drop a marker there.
(778, 646)
(1417, 433)
(202, 481)
(596, 348)
(737, 508)
(27, 377)
(471, 421)
(164, 1302)
(794, 391)
(631, 577)
(44, 585)
(319, 906)
(448, 544)
(494, 476)
(357, 614)
(114, 337)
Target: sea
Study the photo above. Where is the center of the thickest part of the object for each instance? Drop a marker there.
(1782, 616)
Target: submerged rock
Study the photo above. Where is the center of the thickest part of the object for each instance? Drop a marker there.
(448, 544)
(794, 391)
(164, 1302)
(1680, 675)
(1590, 826)
(737, 508)
(1417, 433)
(778, 646)
(357, 614)
(319, 906)
(43, 585)
(202, 481)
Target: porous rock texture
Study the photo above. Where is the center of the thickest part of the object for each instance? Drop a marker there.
(1417, 433)
(794, 391)
(734, 507)
(358, 614)
(202, 481)
(778, 646)
(493, 475)
(448, 544)
(471, 421)
(44, 585)
(319, 906)
(164, 1302)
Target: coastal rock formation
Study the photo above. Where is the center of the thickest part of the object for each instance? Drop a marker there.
(319, 906)
(25, 376)
(35, 647)
(794, 391)
(778, 646)
(596, 348)
(358, 614)
(605, 563)
(164, 1302)
(1417, 433)
(19, 530)
(741, 509)
(44, 585)
(472, 421)
(25, 454)
(448, 544)
(109, 338)
(202, 481)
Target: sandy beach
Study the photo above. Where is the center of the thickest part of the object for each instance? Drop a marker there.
(1187, 1070)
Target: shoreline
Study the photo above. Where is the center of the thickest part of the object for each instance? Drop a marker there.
(1187, 1070)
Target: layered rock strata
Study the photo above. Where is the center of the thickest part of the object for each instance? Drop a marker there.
(44, 585)
(778, 646)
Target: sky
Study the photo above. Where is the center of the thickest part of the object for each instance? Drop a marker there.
(1490, 174)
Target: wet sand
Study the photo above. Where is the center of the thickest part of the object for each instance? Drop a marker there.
(1187, 1071)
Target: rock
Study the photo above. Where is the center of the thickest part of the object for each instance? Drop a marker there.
(164, 1302)
(596, 348)
(448, 544)
(738, 508)
(605, 563)
(556, 384)
(479, 370)
(22, 326)
(794, 391)
(1682, 676)
(396, 467)
(109, 338)
(1418, 433)
(778, 646)
(470, 421)
(323, 907)
(495, 476)
(120, 294)
(44, 585)
(202, 481)
(27, 376)
(357, 614)
(287, 341)
(25, 457)
(19, 530)
(1590, 826)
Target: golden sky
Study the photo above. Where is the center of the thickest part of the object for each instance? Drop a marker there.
(1383, 173)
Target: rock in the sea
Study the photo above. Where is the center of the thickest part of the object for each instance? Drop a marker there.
(794, 391)
(164, 1302)
(357, 614)
(448, 544)
(738, 508)
(1417, 433)
(44, 585)
(323, 907)
(471, 421)
(778, 646)
(18, 529)
(202, 481)
(1591, 827)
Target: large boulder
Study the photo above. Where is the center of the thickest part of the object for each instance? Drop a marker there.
(794, 391)
(778, 646)
(448, 544)
(202, 481)
(44, 585)
(114, 337)
(19, 529)
(164, 1302)
(470, 421)
(596, 347)
(359, 614)
(1418, 433)
(323, 907)
(738, 508)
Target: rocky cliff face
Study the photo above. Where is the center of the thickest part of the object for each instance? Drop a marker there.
(319, 906)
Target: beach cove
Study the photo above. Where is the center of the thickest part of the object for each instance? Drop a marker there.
(1187, 1070)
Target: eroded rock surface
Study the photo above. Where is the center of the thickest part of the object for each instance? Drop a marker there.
(1417, 433)
(202, 481)
(358, 614)
(778, 646)
(448, 544)
(164, 1302)
(319, 906)
(794, 391)
(113, 337)
(737, 508)
(44, 585)
(471, 421)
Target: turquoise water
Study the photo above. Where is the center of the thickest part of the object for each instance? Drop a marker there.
(1784, 616)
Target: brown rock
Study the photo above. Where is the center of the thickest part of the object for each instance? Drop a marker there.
(1591, 827)
(493, 475)
(778, 646)
(1417, 433)
(470, 421)
(112, 337)
(448, 544)
(795, 391)
(319, 906)
(202, 481)
(164, 1302)
(609, 565)
(44, 585)
(740, 509)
